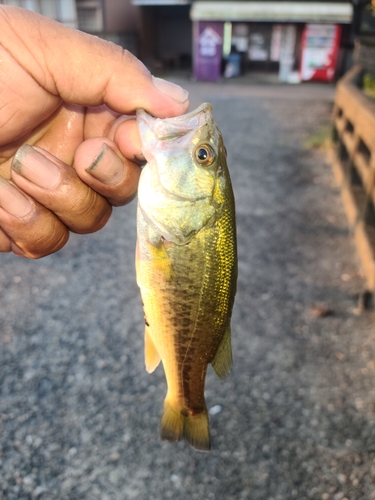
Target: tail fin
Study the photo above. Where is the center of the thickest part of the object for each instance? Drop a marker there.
(194, 429)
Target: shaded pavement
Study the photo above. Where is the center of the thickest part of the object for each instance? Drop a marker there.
(79, 415)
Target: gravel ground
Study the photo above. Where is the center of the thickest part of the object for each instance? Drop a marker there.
(79, 415)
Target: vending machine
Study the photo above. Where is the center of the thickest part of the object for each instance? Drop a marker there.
(320, 46)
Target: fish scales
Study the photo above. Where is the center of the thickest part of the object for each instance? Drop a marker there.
(186, 266)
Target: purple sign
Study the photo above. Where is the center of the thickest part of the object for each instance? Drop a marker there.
(208, 48)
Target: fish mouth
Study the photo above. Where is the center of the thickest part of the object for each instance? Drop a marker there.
(204, 107)
(176, 127)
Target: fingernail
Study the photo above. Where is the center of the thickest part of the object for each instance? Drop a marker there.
(140, 159)
(172, 90)
(12, 201)
(107, 167)
(36, 168)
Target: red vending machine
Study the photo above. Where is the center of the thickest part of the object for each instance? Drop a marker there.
(320, 47)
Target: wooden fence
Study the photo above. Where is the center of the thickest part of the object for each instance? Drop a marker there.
(353, 160)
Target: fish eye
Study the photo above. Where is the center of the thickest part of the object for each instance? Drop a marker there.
(205, 155)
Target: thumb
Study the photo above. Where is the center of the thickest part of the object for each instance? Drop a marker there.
(83, 69)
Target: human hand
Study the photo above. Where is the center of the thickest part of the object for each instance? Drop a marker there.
(63, 95)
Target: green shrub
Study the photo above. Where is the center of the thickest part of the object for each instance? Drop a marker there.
(369, 85)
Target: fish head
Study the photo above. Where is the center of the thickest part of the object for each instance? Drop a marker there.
(185, 150)
(184, 157)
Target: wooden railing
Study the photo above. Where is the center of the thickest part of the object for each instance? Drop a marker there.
(353, 160)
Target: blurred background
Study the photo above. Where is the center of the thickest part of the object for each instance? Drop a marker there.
(296, 40)
(291, 88)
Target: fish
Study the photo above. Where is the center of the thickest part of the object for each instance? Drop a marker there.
(186, 263)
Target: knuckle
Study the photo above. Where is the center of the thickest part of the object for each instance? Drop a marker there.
(89, 213)
(46, 236)
(46, 246)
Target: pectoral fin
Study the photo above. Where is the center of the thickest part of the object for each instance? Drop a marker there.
(152, 357)
(222, 362)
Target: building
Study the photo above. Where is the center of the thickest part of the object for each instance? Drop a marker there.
(299, 40)
(114, 20)
(165, 34)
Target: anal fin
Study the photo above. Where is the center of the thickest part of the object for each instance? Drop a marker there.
(222, 362)
(152, 357)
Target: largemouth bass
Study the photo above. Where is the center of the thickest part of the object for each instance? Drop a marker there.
(186, 263)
